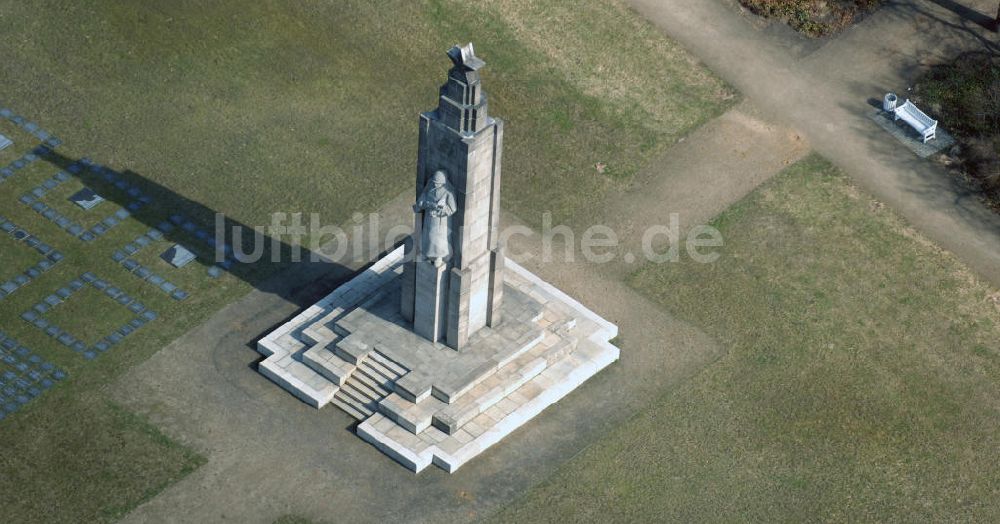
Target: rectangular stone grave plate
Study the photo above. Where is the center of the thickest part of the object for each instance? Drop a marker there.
(178, 256)
(86, 198)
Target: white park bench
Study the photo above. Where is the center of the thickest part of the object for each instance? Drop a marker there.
(5, 142)
(925, 125)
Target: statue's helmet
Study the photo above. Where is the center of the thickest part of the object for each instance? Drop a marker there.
(439, 178)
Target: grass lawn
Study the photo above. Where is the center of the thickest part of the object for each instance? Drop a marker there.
(294, 519)
(15, 257)
(78, 312)
(70, 455)
(860, 384)
(99, 462)
(250, 108)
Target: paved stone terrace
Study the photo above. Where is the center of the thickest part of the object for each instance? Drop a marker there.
(423, 403)
(433, 367)
(909, 138)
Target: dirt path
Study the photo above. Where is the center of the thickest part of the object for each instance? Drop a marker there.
(269, 454)
(716, 165)
(823, 93)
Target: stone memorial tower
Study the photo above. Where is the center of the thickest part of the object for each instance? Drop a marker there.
(413, 347)
(453, 277)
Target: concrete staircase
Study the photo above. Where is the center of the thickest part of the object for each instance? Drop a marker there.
(370, 382)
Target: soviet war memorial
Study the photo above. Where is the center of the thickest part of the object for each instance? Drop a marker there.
(443, 347)
(618, 261)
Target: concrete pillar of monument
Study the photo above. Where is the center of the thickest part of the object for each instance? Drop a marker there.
(450, 298)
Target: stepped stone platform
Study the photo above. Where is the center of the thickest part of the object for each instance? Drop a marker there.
(424, 403)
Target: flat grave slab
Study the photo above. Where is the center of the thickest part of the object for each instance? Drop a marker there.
(178, 256)
(86, 198)
(147, 274)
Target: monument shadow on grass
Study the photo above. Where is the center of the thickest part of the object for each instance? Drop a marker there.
(301, 283)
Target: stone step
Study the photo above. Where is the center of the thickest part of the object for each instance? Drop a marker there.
(489, 393)
(450, 390)
(371, 384)
(414, 418)
(382, 369)
(356, 399)
(297, 378)
(560, 349)
(359, 397)
(352, 349)
(492, 390)
(359, 412)
(393, 366)
(364, 389)
(328, 364)
(378, 377)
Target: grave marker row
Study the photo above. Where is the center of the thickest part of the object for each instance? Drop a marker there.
(33, 200)
(123, 257)
(35, 315)
(50, 255)
(23, 375)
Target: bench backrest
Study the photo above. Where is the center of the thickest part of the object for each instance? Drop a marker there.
(917, 114)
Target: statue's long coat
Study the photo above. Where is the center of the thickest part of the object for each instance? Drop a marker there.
(438, 204)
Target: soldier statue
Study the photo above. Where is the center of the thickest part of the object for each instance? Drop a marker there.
(438, 204)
